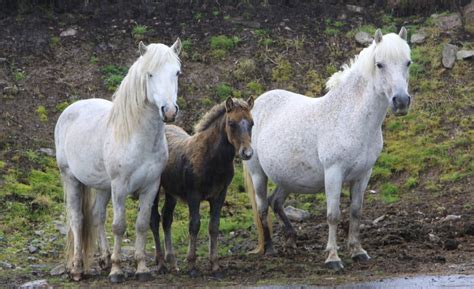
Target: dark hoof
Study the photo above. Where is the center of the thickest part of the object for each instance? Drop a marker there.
(270, 252)
(143, 277)
(335, 265)
(162, 269)
(117, 278)
(76, 276)
(361, 258)
(291, 242)
(217, 275)
(193, 273)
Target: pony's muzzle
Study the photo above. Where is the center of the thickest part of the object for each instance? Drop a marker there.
(246, 153)
(169, 113)
(401, 103)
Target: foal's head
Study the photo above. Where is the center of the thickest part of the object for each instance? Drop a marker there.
(392, 61)
(238, 125)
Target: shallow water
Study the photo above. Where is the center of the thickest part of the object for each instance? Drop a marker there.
(419, 282)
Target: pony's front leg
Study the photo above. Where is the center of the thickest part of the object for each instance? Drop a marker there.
(215, 212)
(194, 225)
(333, 184)
(119, 193)
(141, 227)
(357, 199)
(167, 213)
(100, 214)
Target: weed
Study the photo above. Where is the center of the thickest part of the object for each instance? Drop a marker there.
(19, 76)
(245, 70)
(206, 102)
(283, 72)
(255, 88)
(93, 59)
(113, 76)
(54, 41)
(62, 106)
(138, 31)
(388, 193)
(223, 91)
(42, 113)
(224, 42)
(314, 83)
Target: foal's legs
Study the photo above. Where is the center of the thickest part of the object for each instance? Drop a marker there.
(100, 214)
(155, 228)
(167, 213)
(215, 212)
(74, 196)
(194, 225)
(333, 185)
(357, 198)
(147, 196)
(277, 199)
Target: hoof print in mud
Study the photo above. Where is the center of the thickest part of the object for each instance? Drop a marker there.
(143, 277)
(117, 278)
(335, 266)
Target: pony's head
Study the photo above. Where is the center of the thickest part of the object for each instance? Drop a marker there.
(238, 125)
(161, 68)
(391, 64)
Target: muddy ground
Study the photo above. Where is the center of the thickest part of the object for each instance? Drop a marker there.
(411, 236)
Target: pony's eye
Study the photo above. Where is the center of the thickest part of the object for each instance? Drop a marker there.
(232, 124)
(409, 63)
(150, 75)
(379, 65)
(178, 73)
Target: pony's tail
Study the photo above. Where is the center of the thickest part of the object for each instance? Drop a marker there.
(89, 230)
(251, 193)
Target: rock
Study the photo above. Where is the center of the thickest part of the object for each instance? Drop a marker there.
(296, 214)
(47, 151)
(448, 22)
(468, 14)
(11, 90)
(469, 229)
(363, 38)
(32, 249)
(449, 55)
(464, 54)
(39, 233)
(450, 218)
(355, 9)
(381, 218)
(62, 228)
(6, 265)
(433, 238)
(373, 192)
(32, 259)
(451, 244)
(36, 284)
(68, 32)
(58, 270)
(418, 37)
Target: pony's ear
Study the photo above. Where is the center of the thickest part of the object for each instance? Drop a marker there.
(229, 104)
(177, 46)
(403, 33)
(141, 48)
(378, 36)
(250, 102)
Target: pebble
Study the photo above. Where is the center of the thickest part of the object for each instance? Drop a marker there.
(68, 32)
(363, 38)
(449, 55)
(58, 270)
(450, 218)
(354, 8)
(47, 151)
(32, 249)
(36, 284)
(464, 54)
(433, 238)
(296, 214)
(381, 218)
(418, 37)
(6, 265)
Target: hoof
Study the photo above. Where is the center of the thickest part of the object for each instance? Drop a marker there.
(217, 275)
(193, 273)
(162, 269)
(291, 242)
(361, 257)
(117, 278)
(335, 265)
(143, 277)
(76, 276)
(270, 252)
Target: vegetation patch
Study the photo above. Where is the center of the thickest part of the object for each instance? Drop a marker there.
(42, 113)
(113, 76)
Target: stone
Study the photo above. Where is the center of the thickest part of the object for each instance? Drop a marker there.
(451, 244)
(6, 265)
(449, 218)
(449, 55)
(36, 284)
(464, 54)
(363, 38)
(468, 14)
(379, 219)
(32, 249)
(296, 214)
(47, 151)
(68, 32)
(355, 9)
(58, 270)
(448, 22)
(418, 37)
(62, 228)
(11, 90)
(433, 238)
(469, 229)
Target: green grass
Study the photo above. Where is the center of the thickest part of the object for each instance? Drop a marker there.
(42, 113)
(139, 31)
(113, 76)
(283, 71)
(62, 106)
(19, 76)
(223, 91)
(222, 44)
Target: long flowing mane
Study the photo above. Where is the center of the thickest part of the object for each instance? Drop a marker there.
(130, 98)
(216, 113)
(391, 47)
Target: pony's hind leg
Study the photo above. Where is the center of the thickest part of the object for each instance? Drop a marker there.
(194, 225)
(333, 185)
(215, 212)
(100, 214)
(167, 213)
(155, 229)
(276, 200)
(357, 198)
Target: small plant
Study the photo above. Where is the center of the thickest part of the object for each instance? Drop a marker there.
(62, 106)
(93, 59)
(255, 88)
(42, 113)
(388, 192)
(331, 69)
(283, 71)
(206, 101)
(54, 41)
(138, 31)
(245, 69)
(223, 91)
(315, 83)
(224, 42)
(331, 31)
(113, 76)
(19, 76)
(186, 45)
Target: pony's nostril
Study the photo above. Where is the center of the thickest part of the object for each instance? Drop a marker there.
(395, 100)
(177, 108)
(163, 110)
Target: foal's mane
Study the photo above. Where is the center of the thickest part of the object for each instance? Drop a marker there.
(216, 113)
(391, 47)
(130, 98)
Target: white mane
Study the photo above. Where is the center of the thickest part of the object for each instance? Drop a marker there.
(130, 98)
(391, 47)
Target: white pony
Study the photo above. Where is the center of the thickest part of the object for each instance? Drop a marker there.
(117, 148)
(307, 144)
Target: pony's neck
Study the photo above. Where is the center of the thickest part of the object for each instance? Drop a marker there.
(151, 125)
(218, 146)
